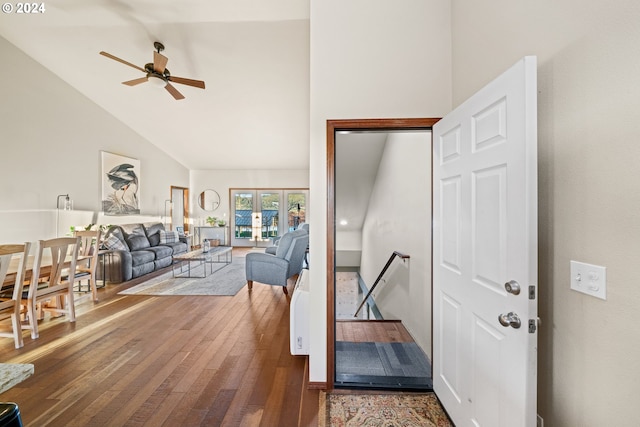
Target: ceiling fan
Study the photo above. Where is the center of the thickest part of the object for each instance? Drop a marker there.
(157, 73)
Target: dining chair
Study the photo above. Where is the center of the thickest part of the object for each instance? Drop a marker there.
(86, 267)
(51, 287)
(10, 308)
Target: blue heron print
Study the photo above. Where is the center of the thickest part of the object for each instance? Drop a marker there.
(123, 199)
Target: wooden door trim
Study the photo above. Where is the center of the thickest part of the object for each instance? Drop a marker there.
(332, 127)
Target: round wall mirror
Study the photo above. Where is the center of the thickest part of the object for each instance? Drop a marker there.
(209, 200)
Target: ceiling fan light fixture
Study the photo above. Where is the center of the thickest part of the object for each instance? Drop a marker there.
(157, 81)
(157, 74)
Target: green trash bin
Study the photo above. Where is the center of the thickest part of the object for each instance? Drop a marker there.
(10, 415)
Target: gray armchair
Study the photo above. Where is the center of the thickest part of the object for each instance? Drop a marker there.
(276, 269)
(276, 240)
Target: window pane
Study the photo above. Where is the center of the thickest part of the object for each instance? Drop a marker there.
(270, 203)
(296, 203)
(244, 208)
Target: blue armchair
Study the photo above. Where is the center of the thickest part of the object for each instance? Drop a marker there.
(276, 240)
(276, 269)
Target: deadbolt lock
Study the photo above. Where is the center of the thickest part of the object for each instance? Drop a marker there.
(512, 287)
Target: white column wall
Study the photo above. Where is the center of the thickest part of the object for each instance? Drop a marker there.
(369, 59)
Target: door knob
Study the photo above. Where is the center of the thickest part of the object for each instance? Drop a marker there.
(509, 319)
(512, 287)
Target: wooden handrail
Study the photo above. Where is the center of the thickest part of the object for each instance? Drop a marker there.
(393, 256)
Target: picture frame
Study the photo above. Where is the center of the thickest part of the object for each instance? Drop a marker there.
(120, 184)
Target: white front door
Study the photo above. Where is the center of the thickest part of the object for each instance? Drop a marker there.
(485, 246)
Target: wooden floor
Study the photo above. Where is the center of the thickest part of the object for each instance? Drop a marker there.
(166, 361)
(372, 331)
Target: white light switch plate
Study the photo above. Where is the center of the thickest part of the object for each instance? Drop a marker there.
(589, 279)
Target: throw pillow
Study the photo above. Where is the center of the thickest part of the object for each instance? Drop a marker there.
(168, 237)
(114, 244)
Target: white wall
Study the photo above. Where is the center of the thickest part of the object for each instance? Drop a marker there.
(369, 59)
(225, 179)
(51, 141)
(589, 157)
(399, 219)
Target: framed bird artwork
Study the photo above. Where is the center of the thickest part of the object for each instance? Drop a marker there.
(120, 184)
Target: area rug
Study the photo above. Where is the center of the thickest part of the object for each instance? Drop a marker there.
(225, 281)
(381, 410)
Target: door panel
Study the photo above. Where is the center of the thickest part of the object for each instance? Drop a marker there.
(489, 246)
(484, 235)
(487, 342)
(450, 250)
(450, 349)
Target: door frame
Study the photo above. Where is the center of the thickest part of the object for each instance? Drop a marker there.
(334, 126)
(185, 207)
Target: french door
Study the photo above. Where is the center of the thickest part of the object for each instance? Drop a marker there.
(260, 215)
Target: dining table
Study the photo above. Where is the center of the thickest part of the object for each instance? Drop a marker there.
(45, 267)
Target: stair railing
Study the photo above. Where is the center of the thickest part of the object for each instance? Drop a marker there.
(393, 256)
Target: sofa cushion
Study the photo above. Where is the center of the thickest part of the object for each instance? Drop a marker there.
(153, 232)
(140, 270)
(142, 257)
(168, 237)
(162, 263)
(178, 247)
(112, 243)
(135, 236)
(161, 251)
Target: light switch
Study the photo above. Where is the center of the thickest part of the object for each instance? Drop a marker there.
(589, 279)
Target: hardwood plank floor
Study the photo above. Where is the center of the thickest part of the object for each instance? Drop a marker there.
(372, 331)
(166, 361)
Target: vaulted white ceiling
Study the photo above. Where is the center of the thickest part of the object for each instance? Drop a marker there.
(253, 56)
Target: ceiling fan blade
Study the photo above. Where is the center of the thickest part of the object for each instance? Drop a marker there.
(189, 82)
(122, 61)
(136, 81)
(174, 92)
(159, 62)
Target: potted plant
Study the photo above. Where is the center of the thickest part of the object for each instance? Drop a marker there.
(222, 223)
(212, 221)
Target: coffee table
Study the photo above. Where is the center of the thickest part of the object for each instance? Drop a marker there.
(196, 258)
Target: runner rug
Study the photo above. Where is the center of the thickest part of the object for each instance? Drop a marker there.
(388, 410)
(227, 280)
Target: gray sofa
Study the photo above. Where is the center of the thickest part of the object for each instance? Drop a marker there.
(133, 250)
